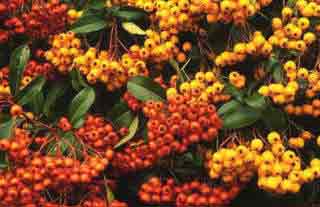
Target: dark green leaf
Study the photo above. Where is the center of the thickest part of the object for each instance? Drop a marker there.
(89, 23)
(273, 66)
(37, 102)
(55, 92)
(128, 13)
(77, 80)
(81, 104)
(6, 128)
(233, 91)
(244, 116)
(4, 162)
(274, 118)
(132, 131)
(256, 101)
(30, 91)
(144, 89)
(79, 123)
(18, 61)
(229, 107)
(96, 4)
(121, 115)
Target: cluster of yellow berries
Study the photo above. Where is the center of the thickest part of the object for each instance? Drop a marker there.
(74, 15)
(258, 46)
(235, 164)
(308, 109)
(294, 35)
(237, 11)
(204, 87)
(280, 170)
(237, 80)
(299, 141)
(279, 93)
(308, 8)
(99, 66)
(64, 48)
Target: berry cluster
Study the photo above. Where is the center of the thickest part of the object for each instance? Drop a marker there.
(32, 70)
(99, 135)
(133, 103)
(205, 87)
(312, 109)
(10, 6)
(237, 11)
(194, 193)
(280, 93)
(155, 192)
(12, 26)
(257, 46)
(45, 19)
(300, 141)
(65, 47)
(17, 145)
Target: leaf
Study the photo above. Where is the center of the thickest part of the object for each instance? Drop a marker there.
(244, 116)
(4, 162)
(18, 62)
(278, 74)
(274, 118)
(229, 107)
(37, 102)
(110, 195)
(132, 28)
(132, 131)
(81, 104)
(89, 23)
(6, 128)
(55, 92)
(121, 115)
(79, 123)
(30, 91)
(233, 91)
(256, 101)
(273, 66)
(144, 89)
(77, 80)
(96, 4)
(128, 13)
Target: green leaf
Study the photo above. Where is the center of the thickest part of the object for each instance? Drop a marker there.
(229, 107)
(144, 89)
(4, 162)
(77, 80)
(256, 101)
(233, 91)
(30, 91)
(132, 131)
(244, 116)
(132, 28)
(79, 123)
(128, 13)
(273, 66)
(89, 23)
(18, 62)
(121, 115)
(81, 104)
(96, 4)
(55, 92)
(278, 74)
(6, 128)
(274, 118)
(37, 102)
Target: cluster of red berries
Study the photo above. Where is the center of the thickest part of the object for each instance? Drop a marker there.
(172, 127)
(99, 135)
(23, 185)
(17, 145)
(155, 192)
(45, 19)
(180, 123)
(193, 193)
(133, 103)
(12, 26)
(9, 6)
(96, 201)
